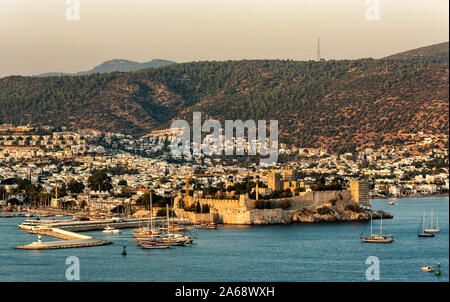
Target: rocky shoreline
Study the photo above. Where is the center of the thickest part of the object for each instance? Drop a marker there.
(305, 216)
(331, 212)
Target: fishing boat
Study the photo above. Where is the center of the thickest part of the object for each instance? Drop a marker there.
(377, 238)
(427, 269)
(110, 230)
(424, 233)
(432, 229)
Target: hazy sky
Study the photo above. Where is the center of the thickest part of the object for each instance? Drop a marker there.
(36, 37)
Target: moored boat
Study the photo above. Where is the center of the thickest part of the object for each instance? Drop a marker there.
(424, 233)
(432, 229)
(209, 226)
(377, 238)
(427, 268)
(154, 243)
(110, 230)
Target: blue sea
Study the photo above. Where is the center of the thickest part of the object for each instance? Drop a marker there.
(298, 252)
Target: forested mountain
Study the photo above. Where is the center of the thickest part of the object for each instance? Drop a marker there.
(115, 65)
(437, 51)
(342, 105)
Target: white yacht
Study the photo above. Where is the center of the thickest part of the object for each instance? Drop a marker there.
(110, 230)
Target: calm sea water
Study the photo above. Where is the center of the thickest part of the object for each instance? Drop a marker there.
(302, 252)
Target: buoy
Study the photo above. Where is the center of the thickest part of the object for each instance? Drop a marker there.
(124, 252)
(438, 271)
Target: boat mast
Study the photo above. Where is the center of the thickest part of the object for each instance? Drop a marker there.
(151, 215)
(423, 221)
(381, 225)
(167, 210)
(201, 211)
(371, 224)
(431, 219)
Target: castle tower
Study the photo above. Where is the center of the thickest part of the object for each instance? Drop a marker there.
(274, 181)
(360, 192)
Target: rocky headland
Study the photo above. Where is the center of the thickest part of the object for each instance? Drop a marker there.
(327, 214)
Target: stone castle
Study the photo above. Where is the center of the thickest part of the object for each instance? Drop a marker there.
(242, 209)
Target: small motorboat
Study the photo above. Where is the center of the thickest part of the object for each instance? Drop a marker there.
(427, 269)
(110, 230)
(391, 203)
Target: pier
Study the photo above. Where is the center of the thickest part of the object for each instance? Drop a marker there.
(62, 244)
(95, 225)
(66, 230)
(71, 239)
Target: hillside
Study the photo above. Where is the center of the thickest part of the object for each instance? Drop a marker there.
(114, 65)
(344, 105)
(437, 51)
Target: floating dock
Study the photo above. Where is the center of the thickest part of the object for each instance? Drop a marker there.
(63, 244)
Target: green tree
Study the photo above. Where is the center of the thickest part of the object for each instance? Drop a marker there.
(3, 192)
(100, 181)
(75, 187)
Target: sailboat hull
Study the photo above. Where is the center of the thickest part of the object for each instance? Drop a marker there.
(426, 235)
(432, 230)
(381, 239)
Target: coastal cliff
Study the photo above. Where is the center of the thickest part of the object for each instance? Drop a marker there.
(336, 213)
(305, 216)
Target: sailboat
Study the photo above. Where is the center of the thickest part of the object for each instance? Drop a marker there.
(431, 229)
(170, 238)
(151, 240)
(377, 238)
(424, 233)
(391, 202)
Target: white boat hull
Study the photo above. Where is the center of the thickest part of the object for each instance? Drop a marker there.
(427, 269)
(432, 230)
(112, 231)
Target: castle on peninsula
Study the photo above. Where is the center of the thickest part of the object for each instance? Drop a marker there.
(243, 210)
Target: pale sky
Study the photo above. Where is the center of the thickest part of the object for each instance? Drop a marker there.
(36, 37)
